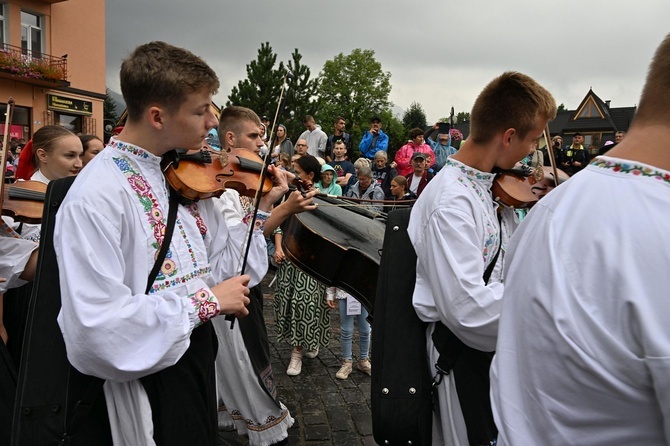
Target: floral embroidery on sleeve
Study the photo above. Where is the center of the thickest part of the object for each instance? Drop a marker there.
(205, 305)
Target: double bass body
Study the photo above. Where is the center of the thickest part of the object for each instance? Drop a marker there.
(338, 248)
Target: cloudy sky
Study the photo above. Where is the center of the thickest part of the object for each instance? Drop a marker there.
(440, 53)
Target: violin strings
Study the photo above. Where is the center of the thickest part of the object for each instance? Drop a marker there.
(359, 205)
(17, 192)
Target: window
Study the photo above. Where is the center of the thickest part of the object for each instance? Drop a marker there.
(590, 110)
(31, 34)
(72, 123)
(2, 26)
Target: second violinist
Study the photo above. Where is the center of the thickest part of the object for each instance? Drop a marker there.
(459, 240)
(245, 400)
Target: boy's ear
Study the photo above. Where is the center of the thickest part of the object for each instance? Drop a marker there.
(155, 115)
(508, 135)
(229, 137)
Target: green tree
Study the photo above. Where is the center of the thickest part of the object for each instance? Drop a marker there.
(301, 97)
(561, 107)
(355, 87)
(396, 131)
(260, 90)
(462, 117)
(459, 118)
(415, 116)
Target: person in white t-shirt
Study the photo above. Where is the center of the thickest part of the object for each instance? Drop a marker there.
(583, 353)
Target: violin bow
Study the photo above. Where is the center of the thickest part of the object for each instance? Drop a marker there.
(5, 147)
(264, 169)
(550, 152)
(257, 197)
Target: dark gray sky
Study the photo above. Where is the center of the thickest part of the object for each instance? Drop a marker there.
(440, 52)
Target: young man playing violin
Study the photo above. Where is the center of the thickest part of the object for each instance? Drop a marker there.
(247, 396)
(456, 233)
(155, 349)
(584, 343)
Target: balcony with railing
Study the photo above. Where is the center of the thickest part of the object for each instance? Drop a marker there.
(32, 67)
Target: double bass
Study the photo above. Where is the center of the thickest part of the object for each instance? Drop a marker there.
(338, 247)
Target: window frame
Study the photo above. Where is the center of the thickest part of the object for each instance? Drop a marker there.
(3, 22)
(29, 50)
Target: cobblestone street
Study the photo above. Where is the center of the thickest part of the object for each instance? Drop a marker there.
(327, 410)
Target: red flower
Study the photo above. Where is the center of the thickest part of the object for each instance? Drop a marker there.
(139, 185)
(207, 311)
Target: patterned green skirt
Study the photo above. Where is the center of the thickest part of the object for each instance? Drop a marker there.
(302, 317)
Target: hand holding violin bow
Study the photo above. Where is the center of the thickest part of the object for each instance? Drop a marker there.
(232, 295)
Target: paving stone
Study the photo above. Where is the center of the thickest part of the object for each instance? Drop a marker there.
(311, 405)
(340, 421)
(316, 418)
(363, 424)
(333, 400)
(319, 433)
(345, 438)
(353, 395)
(359, 409)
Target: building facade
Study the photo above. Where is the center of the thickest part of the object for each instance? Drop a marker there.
(595, 119)
(52, 63)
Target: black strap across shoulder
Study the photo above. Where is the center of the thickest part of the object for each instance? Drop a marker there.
(72, 414)
(172, 218)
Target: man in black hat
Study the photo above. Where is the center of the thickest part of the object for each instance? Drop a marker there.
(373, 140)
(417, 180)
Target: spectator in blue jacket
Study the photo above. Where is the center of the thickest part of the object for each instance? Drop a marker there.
(374, 139)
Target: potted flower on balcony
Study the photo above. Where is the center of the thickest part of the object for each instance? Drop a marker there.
(15, 63)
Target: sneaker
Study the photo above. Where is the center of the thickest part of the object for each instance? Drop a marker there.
(295, 365)
(365, 366)
(345, 370)
(311, 354)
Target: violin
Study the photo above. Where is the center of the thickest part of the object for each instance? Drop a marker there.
(523, 187)
(514, 187)
(544, 186)
(206, 173)
(24, 201)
